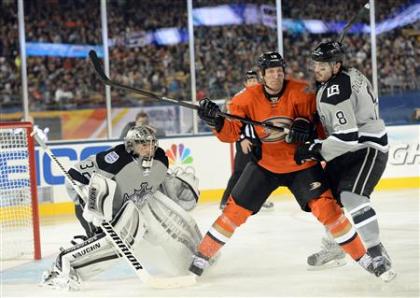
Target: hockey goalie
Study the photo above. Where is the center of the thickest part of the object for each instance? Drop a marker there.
(130, 186)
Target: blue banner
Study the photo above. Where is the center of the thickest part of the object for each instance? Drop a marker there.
(223, 15)
(61, 50)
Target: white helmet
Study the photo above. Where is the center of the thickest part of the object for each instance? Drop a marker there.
(142, 134)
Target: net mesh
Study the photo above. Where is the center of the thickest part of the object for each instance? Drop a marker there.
(15, 194)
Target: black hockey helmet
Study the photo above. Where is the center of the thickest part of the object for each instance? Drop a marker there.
(330, 51)
(270, 59)
(251, 74)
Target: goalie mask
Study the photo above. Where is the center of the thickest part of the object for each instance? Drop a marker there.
(141, 141)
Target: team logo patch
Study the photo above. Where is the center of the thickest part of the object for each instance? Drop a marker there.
(139, 196)
(111, 157)
(274, 135)
(315, 185)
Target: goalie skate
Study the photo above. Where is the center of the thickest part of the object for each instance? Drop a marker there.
(56, 279)
(330, 256)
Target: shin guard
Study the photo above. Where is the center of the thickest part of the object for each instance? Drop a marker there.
(223, 228)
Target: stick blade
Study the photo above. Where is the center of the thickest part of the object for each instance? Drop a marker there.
(97, 66)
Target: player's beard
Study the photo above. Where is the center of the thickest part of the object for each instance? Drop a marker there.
(274, 87)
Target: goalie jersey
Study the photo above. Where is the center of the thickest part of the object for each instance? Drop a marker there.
(119, 165)
(348, 110)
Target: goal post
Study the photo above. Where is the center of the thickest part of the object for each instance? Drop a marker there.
(19, 216)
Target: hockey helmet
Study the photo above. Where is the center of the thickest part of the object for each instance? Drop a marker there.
(270, 59)
(251, 74)
(143, 134)
(330, 51)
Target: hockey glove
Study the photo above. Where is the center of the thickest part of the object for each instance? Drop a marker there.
(301, 131)
(308, 151)
(209, 112)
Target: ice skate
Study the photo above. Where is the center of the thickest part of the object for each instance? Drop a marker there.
(379, 250)
(198, 264)
(56, 279)
(330, 256)
(379, 266)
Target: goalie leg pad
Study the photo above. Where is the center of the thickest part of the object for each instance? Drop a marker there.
(96, 254)
(171, 237)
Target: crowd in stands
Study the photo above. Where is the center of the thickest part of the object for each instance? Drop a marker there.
(223, 53)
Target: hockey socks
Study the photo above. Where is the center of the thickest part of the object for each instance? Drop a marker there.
(220, 232)
(328, 212)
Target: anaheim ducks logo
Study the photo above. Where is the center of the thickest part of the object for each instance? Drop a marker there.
(275, 135)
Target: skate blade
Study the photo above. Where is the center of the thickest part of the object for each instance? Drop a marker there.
(331, 264)
(388, 276)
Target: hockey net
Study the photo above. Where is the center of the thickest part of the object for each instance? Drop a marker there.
(19, 218)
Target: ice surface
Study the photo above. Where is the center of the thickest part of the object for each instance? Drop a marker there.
(266, 257)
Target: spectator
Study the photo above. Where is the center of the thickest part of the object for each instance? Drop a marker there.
(142, 118)
(165, 69)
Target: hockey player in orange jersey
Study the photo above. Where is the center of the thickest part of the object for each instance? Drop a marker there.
(287, 104)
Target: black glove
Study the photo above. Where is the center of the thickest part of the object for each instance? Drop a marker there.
(301, 131)
(209, 112)
(308, 151)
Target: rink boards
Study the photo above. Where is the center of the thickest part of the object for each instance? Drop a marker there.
(212, 161)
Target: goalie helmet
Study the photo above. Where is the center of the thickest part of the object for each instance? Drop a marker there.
(142, 134)
(330, 51)
(270, 59)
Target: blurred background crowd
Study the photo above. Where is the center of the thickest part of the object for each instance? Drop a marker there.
(223, 53)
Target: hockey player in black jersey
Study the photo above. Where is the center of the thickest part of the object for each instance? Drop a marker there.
(136, 194)
(355, 149)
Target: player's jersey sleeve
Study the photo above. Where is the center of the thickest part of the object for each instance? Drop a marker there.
(338, 118)
(231, 129)
(107, 163)
(83, 170)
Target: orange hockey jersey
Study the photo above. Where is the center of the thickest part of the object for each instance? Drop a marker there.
(295, 101)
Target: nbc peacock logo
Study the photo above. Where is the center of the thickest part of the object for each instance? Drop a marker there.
(179, 155)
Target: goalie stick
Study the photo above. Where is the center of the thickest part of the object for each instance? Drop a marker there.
(118, 243)
(103, 77)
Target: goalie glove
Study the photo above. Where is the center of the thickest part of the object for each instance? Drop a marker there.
(181, 186)
(99, 202)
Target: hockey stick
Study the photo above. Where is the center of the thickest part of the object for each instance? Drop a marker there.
(119, 244)
(353, 20)
(103, 77)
